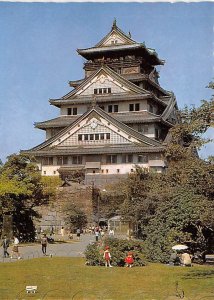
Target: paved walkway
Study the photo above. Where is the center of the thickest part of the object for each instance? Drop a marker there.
(74, 248)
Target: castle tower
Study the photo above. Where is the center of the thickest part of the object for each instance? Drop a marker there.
(116, 117)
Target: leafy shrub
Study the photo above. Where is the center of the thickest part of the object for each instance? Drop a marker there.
(118, 249)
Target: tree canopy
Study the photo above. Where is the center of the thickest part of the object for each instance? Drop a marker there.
(21, 189)
(176, 206)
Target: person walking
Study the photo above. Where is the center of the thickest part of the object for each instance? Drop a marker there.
(15, 249)
(97, 235)
(107, 257)
(5, 244)
(111, 232)
(44, 242)
(78, 233)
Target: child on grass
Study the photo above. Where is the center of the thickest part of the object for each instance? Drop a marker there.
(107, 257)
(129, 260)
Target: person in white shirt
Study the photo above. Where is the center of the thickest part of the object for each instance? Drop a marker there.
(15, 249)
(111, 232)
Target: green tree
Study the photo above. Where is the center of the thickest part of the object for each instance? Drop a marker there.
(21, 190)
(176, 206)
(183, 217)
(74, 216)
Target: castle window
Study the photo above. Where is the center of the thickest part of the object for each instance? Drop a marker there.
(44, 172)
(93, 137)
(130, 158)
(143, 128)
(77, 160)
(102, 91)
(71, 111)
(151, 108)
(108, 136)
(47, 161)
(111, 159)
(143, 159)
(137, 106)
(112, 108)
(118, 170)
(62, 160)
(157, 133)
(134, 107)
(127, 158)
(80, 137)
(116, 108)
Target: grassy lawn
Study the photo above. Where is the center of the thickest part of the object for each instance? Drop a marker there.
(69, 278)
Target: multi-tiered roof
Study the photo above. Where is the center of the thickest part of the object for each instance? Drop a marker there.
(120, 92)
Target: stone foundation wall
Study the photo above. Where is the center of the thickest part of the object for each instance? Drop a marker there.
(52, 214)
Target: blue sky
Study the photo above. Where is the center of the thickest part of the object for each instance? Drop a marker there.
(38, 43)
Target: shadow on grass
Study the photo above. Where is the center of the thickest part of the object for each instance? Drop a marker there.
(199, 274)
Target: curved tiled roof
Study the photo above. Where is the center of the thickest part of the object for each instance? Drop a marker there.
(111, 149)
(140, 137)
(88, 52)
(127, 118)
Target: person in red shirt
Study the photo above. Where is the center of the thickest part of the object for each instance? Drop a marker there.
(107, 257)
(129, 260)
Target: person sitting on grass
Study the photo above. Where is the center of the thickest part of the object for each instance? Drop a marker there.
(174, 259)
(186, 260)
(107, 257)
(129, 260)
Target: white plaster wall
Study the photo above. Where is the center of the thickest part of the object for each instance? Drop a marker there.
(81, 109)
(113, 37)
(155, 165)
(114, 137)
(124, 168)
(107, 82)
(50, 170)
(123, 106)
(48, 133)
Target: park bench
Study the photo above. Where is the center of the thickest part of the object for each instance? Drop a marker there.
(31, 289)
(209, 258)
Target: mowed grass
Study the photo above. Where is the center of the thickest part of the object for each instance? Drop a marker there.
(69, 278)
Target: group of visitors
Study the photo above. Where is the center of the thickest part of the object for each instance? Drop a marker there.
(101, 232)
(180, 259)
(15, 247)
